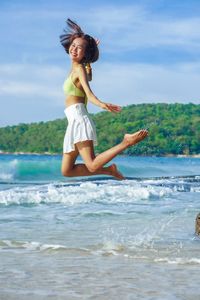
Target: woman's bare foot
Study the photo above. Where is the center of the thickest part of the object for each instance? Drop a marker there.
(134, 138)
(115, 172)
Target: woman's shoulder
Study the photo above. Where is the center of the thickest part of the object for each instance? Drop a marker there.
(79, 67)
(79, 70)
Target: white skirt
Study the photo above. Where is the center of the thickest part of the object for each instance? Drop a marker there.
(80, 127)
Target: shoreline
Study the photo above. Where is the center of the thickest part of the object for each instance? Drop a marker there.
(56, 154)
(28, 153)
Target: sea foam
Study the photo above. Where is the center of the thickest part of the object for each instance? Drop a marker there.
(84, 192)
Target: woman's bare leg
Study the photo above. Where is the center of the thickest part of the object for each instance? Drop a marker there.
(70, 169)
(95, 163)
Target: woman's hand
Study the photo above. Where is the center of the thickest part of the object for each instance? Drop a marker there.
(111, 107)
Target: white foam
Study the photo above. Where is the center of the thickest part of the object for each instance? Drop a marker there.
(110, 192)
(32, 246)
(178, 260)
(109, 248)
(39, 247)
(8, 170)
(195, 189)
(6, 176)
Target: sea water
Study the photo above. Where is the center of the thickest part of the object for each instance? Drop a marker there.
(96, 237)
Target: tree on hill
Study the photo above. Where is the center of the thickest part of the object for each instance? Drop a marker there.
(173, 129)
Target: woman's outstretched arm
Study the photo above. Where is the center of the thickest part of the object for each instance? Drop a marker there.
(90, 95)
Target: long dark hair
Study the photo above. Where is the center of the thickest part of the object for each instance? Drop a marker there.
(74, 31)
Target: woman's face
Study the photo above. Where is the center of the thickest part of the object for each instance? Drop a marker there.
(77, 49)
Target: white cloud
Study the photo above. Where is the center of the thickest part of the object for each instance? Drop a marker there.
(133, 27)
(30, 93)
(137, 83)
(120, 26)
(24, 80)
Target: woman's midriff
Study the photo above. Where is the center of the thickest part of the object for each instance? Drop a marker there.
(70, 100)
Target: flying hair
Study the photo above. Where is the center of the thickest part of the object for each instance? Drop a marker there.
(74, 31)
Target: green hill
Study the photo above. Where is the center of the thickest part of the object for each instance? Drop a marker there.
(173, 129)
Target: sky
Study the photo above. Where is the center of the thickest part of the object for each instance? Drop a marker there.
(149, 53)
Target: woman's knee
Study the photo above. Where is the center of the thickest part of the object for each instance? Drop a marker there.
(92, 167)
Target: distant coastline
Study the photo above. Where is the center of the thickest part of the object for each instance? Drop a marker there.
(56, 154)
(27, 153)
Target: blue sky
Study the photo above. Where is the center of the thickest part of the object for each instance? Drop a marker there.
(149, 52)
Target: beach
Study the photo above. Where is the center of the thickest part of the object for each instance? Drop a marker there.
(99, 238)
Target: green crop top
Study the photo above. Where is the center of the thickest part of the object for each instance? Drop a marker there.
(71, 90)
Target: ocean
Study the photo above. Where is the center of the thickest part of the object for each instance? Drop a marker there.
(96, 237)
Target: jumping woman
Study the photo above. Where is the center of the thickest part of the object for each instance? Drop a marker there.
(80, 136)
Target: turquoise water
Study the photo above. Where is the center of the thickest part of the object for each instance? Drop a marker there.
(98, 238)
